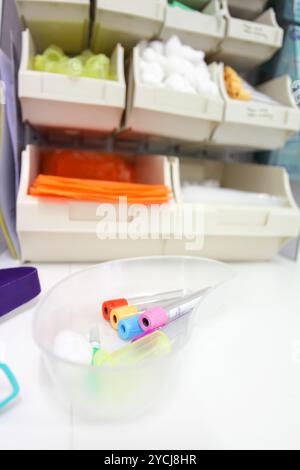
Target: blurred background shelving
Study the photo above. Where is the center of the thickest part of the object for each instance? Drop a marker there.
(127, 116)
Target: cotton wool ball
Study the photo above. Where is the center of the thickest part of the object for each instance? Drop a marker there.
(158, 47)
(73, 347)
(173, 47)
(177, 65)
(193, 56)
(150, 56)
(152, 73)
(176, 82)
(192, 77)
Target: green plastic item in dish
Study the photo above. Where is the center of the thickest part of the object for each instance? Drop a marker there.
(87, 64)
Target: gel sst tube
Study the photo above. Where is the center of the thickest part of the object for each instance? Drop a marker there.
(159, 317)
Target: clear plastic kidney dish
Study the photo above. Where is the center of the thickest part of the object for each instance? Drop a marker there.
(75, 304)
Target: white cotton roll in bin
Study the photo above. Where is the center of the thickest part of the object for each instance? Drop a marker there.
(172, 112)
(50, 100)
(64, 23)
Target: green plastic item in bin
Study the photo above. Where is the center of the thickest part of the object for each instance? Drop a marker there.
(176, 4)
(150, 347)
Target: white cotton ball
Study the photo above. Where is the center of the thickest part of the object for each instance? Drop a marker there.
(73, 347)
(173, 47)
(158, 47)
(149, 55)
(198, 57)
(143, 45)
(177, 65)
(144, 66)
(187, 88)
(176, 82)
(152, 70)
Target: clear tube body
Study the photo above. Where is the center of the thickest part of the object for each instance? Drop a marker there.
(144, 302)
(184, 306)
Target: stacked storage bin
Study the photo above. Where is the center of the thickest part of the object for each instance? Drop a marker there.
(59, 229)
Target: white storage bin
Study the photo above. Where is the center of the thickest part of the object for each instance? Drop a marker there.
(60, 230)
(257, 125)
(64, 23)
(241, 232)
(247, 10)
(161, 112)
(202, 31)
(127, 22)
(58, 101)
(248, 44)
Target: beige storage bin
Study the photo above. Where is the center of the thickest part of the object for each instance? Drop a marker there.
(203, 30)
(247, 10)
(126, 22)
(160, 112)
(254, 231)
(254, 125)
(61, 230)
(56, 101)
(64, 23)
(248, 44)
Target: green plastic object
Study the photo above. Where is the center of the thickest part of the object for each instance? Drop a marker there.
(152, 346)
(176, 4)
(87, 64)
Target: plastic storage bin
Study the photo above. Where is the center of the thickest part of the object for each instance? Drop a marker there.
(58, 101)
(247, 10)
(203, 31)
(241, 232)
(248, 44)
(159, 112)
(256, 125)
(114, 393)
(52, 229)
(127, 22)
(61, 22)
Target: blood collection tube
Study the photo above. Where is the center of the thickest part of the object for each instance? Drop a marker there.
(159, 317)
(139, 302)
(124, 313)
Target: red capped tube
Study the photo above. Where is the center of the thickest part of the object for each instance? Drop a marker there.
(110, 305)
